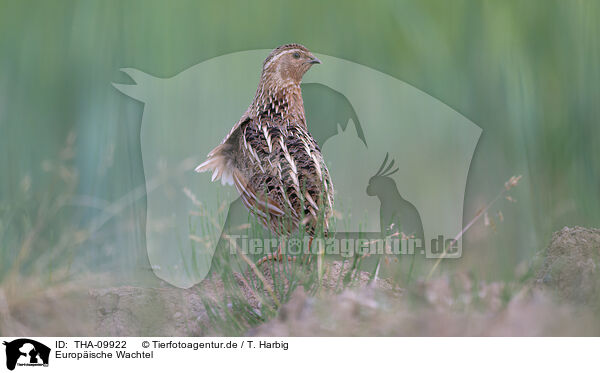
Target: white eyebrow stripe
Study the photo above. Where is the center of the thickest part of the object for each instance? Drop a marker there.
(277, 56)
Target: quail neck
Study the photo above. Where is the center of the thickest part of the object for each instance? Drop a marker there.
(278, 100)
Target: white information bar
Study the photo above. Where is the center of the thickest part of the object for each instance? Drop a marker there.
(248, 354)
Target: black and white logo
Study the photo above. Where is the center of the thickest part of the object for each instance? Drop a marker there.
(26, 352)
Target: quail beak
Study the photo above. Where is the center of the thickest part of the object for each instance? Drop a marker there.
(314, 60)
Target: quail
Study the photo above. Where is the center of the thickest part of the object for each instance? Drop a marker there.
(270, 156)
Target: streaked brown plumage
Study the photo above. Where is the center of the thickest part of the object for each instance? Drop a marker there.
(269, 155)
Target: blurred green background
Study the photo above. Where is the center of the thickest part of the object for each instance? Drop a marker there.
(71, 189)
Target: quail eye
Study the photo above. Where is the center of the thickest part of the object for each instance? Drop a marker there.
(296, 55)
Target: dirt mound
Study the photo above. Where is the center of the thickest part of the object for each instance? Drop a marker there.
(135, 311)
(570, 265)
(131, 311)
(31, 308)
(370, 312)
